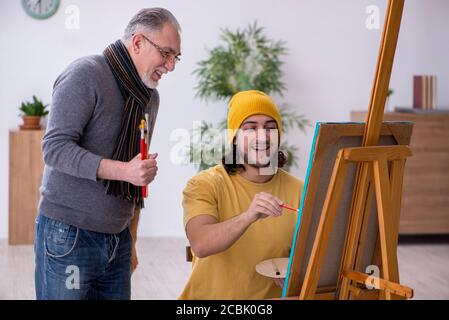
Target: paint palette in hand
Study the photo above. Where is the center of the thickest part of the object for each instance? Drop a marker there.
(273, 268)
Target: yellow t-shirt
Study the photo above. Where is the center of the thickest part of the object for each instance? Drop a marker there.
(231, 274)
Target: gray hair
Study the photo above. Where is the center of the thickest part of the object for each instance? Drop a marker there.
(152, 19)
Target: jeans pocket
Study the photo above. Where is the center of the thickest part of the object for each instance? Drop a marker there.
(60, 238)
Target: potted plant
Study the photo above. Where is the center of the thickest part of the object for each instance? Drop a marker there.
(31, 113)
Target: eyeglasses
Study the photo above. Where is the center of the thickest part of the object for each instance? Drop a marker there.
(167, 55)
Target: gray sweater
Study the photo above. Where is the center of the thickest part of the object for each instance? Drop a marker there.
(83, 126)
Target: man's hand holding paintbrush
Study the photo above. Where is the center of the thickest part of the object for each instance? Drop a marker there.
(142, 172)
(265, 205)
(137, 171)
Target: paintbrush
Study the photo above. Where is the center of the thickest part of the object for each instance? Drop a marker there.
(289, 208)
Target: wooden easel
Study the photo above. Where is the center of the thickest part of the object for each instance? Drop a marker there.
(388, 188)
(373, 173)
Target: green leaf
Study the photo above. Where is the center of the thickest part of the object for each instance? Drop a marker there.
(291, 119)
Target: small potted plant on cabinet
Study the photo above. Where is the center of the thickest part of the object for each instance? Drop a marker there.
(32, 113)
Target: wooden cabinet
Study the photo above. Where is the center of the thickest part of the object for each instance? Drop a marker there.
(25, 173)
(425, 198)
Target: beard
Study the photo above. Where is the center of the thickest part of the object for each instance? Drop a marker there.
(259, 160)
(266, 165)
(150, 83)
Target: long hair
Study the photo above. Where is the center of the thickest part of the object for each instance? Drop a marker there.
(234, 167)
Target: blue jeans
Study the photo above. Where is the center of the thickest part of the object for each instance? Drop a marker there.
(72, 263)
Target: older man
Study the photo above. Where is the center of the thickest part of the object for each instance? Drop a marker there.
(91, 189)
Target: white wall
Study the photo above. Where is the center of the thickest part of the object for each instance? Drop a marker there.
(328, 72)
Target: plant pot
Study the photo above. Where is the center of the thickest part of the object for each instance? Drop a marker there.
(31, 123)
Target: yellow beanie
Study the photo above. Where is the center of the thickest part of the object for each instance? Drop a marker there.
(247, 103)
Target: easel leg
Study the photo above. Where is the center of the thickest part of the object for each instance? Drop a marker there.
(396, 178)
(387, 235)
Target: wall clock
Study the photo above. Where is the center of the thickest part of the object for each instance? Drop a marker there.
(40, 9)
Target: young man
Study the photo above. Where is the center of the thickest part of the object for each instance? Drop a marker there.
(232, 212)
(87, 224)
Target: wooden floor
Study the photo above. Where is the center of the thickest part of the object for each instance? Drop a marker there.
(163, 271)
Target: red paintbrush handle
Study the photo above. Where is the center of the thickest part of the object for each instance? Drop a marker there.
(289, 208)
(143, 156)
